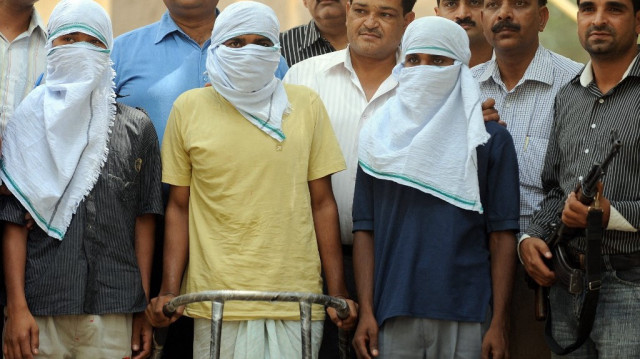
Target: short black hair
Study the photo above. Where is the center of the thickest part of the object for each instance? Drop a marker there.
(542, 3)
(407, 5)
(636, 5)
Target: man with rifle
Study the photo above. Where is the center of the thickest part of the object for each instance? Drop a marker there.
(602, 100)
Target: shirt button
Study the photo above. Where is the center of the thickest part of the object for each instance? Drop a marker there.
(580, 178)
(586, 151)
(601, 100)
(593, 125)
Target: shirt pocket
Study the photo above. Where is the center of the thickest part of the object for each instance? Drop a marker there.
(531, 161)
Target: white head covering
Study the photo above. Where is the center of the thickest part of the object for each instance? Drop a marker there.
(426, 136)
(245, 76)
(56, 143)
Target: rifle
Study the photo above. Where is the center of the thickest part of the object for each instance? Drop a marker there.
(586, 191)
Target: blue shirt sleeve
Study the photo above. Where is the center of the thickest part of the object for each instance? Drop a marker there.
(282, 68)
(363, 202)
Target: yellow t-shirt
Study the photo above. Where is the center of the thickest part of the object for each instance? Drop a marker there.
(250, 220)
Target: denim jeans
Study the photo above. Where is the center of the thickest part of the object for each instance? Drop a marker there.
(616, 328)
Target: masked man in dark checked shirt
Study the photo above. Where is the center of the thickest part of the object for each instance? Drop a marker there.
(88, 172)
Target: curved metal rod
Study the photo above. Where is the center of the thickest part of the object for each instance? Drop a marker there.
(341, 306)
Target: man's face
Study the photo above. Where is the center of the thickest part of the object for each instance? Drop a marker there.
(513, 24)
(186, 8)
(75, 37)
(607, 27)
(326, 9)
(467, 13)
(375, 27)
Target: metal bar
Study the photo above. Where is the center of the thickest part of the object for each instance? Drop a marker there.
(305, 329)
(217, 308)
(218, 297)
(341, 306)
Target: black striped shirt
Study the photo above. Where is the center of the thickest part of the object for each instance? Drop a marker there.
(302, 42)
(584, 119)
(94, 269)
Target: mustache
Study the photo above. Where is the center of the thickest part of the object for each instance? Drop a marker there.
(505, 24)
(466, 21)
(601, 28)
(370, 32)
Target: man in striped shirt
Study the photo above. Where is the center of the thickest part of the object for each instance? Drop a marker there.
(523, 78)
(325, 33)
(602, 99)
(22, 57)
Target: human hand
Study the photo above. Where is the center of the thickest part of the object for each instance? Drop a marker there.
(489, 112)
(141, 337)
(21, 335)
(534, 251)
(574, 214)
(156, 316)
(349, 322)
(365, 339)
(495, 344)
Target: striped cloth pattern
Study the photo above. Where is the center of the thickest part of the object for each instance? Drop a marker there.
(584, 120)
(302, 42)
(21, 63)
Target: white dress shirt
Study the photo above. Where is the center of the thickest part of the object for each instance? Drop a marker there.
(22, 61)
(332, 76)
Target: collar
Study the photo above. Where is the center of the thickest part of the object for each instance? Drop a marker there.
(168, 26)
(538, 70)
(586, 77)
(346, 59)
(311, 34)
(36, 24)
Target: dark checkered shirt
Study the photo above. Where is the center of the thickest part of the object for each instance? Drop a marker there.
(94, 269)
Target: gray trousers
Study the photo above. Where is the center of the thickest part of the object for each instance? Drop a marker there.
(419, 338)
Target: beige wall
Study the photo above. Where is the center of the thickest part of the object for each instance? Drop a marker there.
(127, 15)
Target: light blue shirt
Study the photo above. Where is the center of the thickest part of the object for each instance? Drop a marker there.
(528, 111)
(156, 63)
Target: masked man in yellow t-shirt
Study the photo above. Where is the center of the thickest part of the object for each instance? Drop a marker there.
(251, 207)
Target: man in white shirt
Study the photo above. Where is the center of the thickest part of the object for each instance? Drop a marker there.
(22, 59)
(353, 83)
(22, 56)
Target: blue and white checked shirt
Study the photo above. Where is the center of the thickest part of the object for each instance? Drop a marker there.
(528, 111)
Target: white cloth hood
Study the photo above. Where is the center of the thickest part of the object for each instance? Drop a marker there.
(426, 136)
(55, 145)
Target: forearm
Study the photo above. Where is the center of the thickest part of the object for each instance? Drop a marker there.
(144, 245)
(502, 245)
(14, 249)
(327, 227)
(363, 267)
(176, 245)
